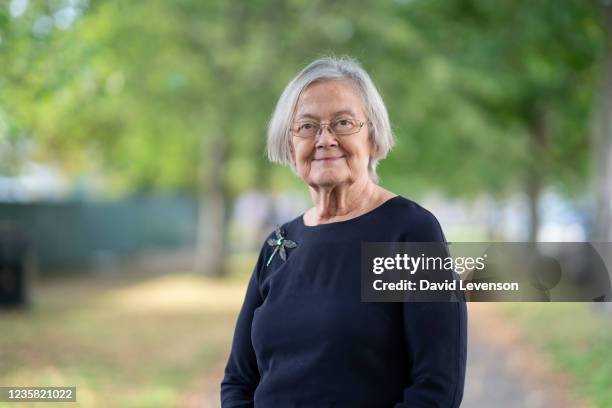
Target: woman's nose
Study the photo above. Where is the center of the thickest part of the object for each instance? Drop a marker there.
(325, 138)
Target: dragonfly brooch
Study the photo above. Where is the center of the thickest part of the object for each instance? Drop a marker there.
(279, 244)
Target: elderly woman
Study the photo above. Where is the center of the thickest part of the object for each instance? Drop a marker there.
(303, 337)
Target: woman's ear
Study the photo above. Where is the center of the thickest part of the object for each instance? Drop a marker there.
(373, 148)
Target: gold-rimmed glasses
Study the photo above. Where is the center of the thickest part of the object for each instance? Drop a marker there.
(340, 127)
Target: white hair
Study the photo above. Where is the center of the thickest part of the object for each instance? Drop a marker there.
(330, 68)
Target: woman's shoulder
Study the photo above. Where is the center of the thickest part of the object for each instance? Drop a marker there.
(419, 223)
(406, 208)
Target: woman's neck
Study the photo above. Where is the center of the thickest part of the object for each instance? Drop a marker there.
(344, 202)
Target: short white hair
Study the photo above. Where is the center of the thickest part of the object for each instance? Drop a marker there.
(330, 68)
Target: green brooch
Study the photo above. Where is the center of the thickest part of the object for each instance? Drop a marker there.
(279, 244)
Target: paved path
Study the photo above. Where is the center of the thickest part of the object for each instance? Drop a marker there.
(506, 371)
(490, 381)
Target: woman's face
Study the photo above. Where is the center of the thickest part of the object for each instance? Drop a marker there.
(327, 160)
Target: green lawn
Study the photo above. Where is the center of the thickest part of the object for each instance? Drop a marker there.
(128, 342)
(579, 340)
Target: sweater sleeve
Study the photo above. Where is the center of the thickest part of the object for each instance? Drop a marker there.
(436, 340)
(241, 372)
(436, 336)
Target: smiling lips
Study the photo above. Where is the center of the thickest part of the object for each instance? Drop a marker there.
(328, 159)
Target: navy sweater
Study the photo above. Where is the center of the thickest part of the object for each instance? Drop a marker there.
(304, 338)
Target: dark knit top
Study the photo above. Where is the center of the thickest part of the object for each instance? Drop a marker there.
(304, 338)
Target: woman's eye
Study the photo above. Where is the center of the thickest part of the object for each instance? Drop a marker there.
(306, 126)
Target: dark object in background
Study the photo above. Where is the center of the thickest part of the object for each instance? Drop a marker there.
(14, 265)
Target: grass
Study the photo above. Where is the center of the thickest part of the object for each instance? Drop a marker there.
(578, 339)
(123, 342)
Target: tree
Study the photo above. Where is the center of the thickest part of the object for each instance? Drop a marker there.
(531, 69)
(603, 137)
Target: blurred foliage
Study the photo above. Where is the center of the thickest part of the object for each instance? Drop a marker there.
(528, 68)
(142, 91)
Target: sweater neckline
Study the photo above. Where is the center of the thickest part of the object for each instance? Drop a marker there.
(349, 221)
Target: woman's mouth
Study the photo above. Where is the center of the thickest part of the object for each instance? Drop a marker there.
(328, 159)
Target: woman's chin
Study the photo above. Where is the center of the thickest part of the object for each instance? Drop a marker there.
(327, 178)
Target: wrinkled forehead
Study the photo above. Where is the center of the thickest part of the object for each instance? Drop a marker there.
(326, 99)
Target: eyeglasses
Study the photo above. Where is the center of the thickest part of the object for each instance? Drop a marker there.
(341, 127)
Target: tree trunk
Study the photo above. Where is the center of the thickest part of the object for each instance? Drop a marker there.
(602, 228)
(540, 141)
(534, 188)
(211, 248)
